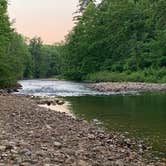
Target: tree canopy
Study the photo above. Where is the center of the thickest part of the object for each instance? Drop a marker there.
(124, 36)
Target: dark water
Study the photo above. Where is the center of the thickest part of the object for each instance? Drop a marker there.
(142, 115)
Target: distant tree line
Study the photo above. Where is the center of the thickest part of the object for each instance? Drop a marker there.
(114, 40)
(44, 60)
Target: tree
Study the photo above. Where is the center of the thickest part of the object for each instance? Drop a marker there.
(35, 47)
(83, 4)
(12, 50)
(116, 36)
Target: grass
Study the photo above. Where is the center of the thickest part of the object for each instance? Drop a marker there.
(148, 75)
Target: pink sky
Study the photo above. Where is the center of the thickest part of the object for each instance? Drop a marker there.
(49, 19)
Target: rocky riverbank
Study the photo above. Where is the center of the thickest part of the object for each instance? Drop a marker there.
(127, 86)
(31, 135)
(11, 89)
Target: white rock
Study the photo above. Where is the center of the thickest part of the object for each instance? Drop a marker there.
(57, 144)
(2, 148)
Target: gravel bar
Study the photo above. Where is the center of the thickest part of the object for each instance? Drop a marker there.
(31, 135)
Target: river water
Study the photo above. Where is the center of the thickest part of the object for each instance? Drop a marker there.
(45, 87)
(141, 115)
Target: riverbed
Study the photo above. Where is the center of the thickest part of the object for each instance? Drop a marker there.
(141, 115)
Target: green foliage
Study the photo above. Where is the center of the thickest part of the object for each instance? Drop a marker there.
(118, 37)
(12, 62)
(13, 50)
(44, 60)
(148, 75)
(35, 51)
(116, 40)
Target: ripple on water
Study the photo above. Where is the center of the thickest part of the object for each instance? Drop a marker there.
(60, 88)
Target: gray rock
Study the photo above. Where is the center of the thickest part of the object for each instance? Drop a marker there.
(91, 136)
(26, 152)
(2, 148)
(57, 144)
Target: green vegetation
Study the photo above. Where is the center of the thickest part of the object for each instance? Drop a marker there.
(116, 40)
(21, 60)
(44, 60)
(122, 40)
(13, 50)
(148, 75)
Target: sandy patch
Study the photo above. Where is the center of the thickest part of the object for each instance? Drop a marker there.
(59, 108)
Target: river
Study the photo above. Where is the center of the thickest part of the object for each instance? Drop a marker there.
(142, 115)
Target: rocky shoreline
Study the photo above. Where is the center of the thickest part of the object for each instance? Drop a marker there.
(31, 135)
(11, 89)
(127, 86)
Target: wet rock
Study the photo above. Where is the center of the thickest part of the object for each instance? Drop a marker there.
(48, 103)
(3, 92)
(60, 102)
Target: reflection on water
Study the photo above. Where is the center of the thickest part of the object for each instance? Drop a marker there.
(142, 115)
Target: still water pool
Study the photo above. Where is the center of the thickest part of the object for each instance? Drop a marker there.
(143, 115)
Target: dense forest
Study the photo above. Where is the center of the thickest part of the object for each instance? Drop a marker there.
(118, 40)
(114, 40)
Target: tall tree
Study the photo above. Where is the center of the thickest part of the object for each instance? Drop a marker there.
(35, 47)
(83, 4)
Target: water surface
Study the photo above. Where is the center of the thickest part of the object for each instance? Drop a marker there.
(143, 116)
(45, 87)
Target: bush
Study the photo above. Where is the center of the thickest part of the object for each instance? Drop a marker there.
(148, 75)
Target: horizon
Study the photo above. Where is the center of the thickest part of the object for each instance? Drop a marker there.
(51, 20)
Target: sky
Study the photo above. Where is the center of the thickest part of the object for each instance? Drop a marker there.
(49, 19)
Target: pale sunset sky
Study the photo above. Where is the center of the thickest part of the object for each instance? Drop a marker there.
(49, 19)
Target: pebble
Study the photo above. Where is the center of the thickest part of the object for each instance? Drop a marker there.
(14, 151)
(91, 136)
(26, 152)
(2, 148)
(57, 144)
(127, 86)
(4, 155)
(34, 136)
(82, 163)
